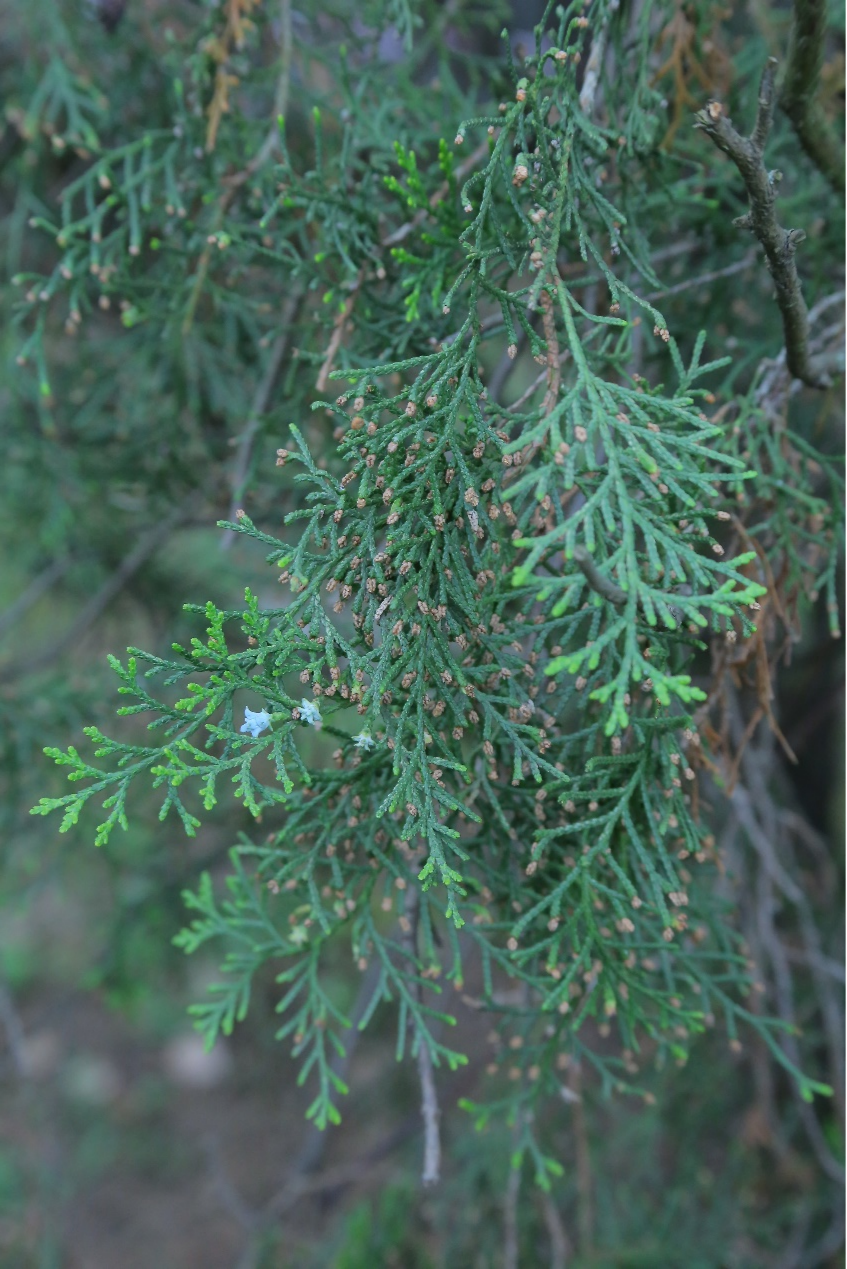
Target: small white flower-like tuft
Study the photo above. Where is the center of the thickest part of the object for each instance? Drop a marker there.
(364, 740)
(255, 721)
(309, 713)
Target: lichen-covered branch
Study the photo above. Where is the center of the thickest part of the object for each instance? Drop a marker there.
(779, 244)
(799, 94)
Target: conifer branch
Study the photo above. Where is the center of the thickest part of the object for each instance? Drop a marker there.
(553, 375)
(779, 244)
(467, 165)
(528, 750)
(537, 381)
(800, 88)
(393, 239)
(505, 366)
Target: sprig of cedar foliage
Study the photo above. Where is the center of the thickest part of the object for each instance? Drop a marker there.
(506, 600)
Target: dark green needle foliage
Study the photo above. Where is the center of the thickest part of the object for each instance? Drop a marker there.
(485, 684)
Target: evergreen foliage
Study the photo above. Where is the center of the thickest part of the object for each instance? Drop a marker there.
(473, 729)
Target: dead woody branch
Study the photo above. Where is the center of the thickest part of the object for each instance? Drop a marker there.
(779, 244)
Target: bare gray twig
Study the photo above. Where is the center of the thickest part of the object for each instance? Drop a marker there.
(779, 244)
(511, 1242)
(704, 279)
(559, 1245)
(608, 589)
(98, 602)
(584, 1182)
(257, 1222)
(429, 1098)
(771, 885)
(259, 406)
(595, 62)
(39, 586)
(316, 1141)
